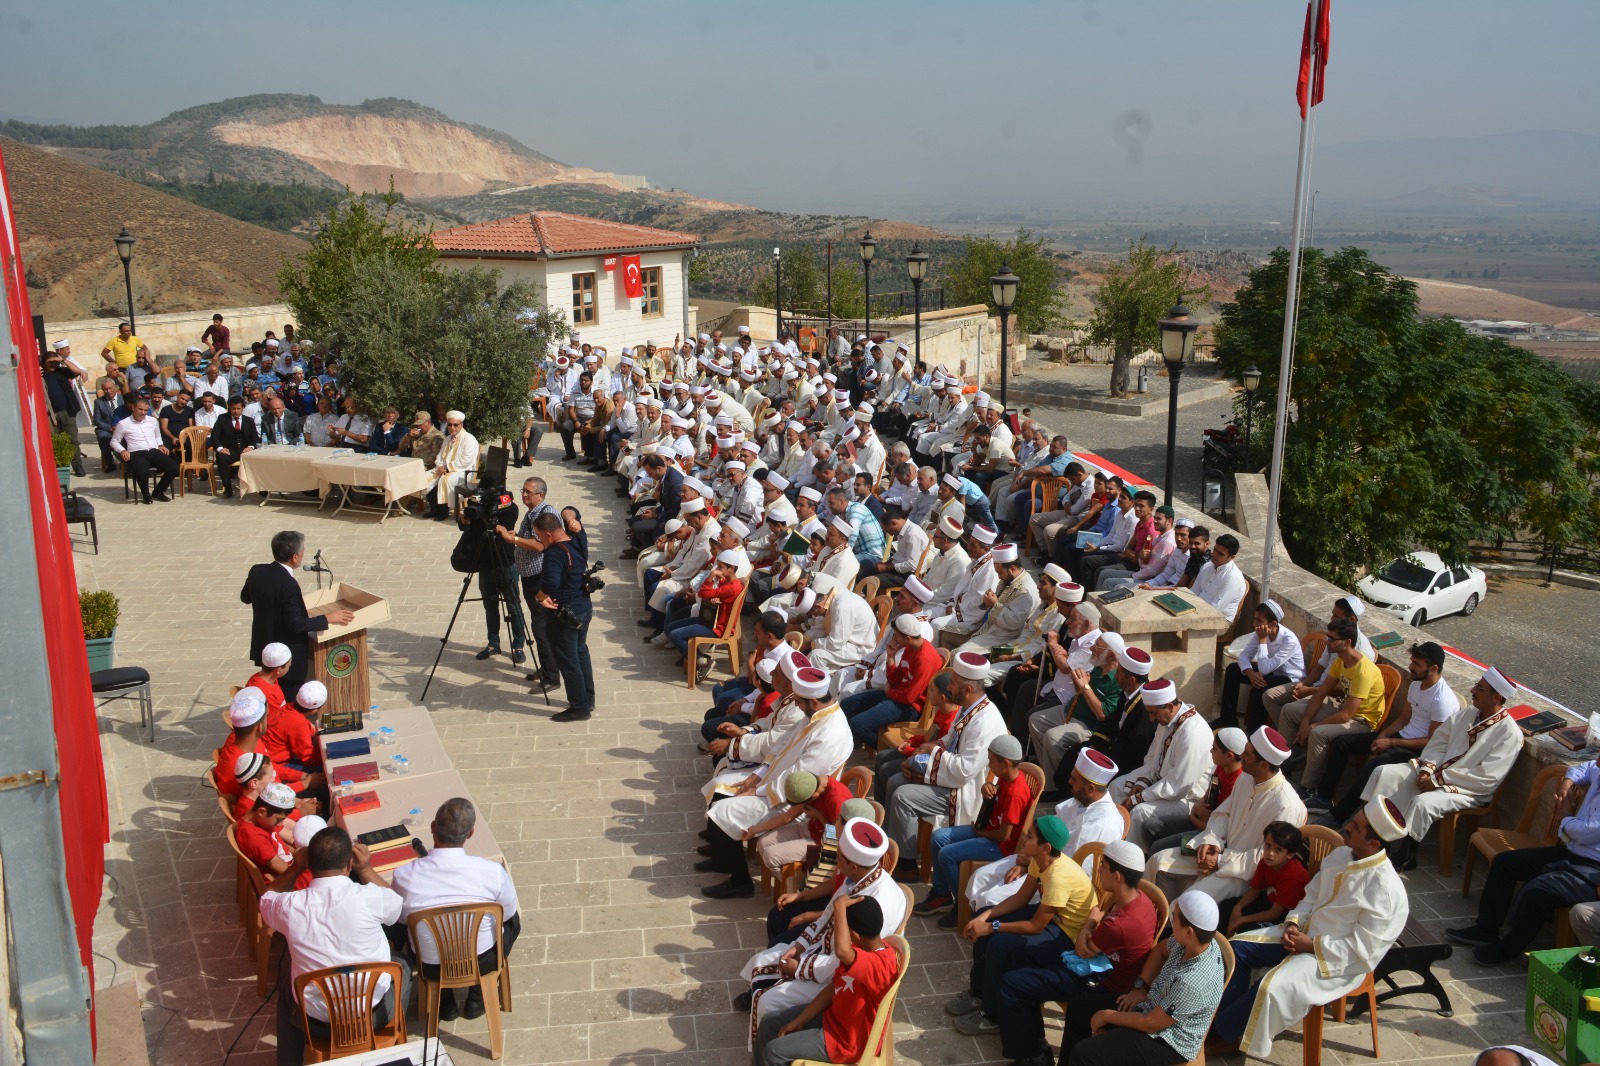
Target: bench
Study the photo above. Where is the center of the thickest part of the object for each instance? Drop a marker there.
(1414, 952)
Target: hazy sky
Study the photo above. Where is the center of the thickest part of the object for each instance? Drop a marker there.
(862, 106)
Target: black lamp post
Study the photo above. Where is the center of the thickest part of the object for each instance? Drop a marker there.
(917, 267)
(1252, 382)
(1003, 288)
(124, 242)
(1177, 344)
(869, 248)
(777, 289)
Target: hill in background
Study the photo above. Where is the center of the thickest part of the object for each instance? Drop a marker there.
(187, 258)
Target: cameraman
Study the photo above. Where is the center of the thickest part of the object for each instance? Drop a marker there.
(530, 564)
(498, 580)
(562, 591)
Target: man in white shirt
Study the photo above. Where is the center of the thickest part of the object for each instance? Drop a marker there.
(457, 460)
(318, 427)
(333, 921)
(1273, 658)
(447, 876)
(208, 412)
(351, 429)
(137, 441)
(1220, 582)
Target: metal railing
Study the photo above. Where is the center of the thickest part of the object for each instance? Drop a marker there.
(1538, 554)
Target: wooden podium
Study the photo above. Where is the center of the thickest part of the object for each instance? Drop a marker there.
(338, 655)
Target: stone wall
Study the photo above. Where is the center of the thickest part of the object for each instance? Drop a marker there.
(168, 335)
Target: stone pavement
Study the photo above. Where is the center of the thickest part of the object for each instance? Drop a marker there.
(621, 960)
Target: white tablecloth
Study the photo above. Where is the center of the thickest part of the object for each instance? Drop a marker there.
(398, 476)
(281, 468)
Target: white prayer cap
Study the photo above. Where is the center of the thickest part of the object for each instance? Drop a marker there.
(1005, 553)
(672, 526)
(950, 527)
(312, 694)
(747, 375)
(908, 625)
(863, 842)
(1186, 523)
(1270, 745)
(764, 669)
(793, 663)
(697, 485)
(684, 385)
(1113, 641)
(809, 493)
(953, 481)
(861, 336)
(790, 375)
(1095, 766)
(938, 384)
(679, 422)
(692, 507)
(1055, 572)
(1137, 661)
(1157, 693)
(721, 347)
(730, 557)
(591, 358)
(1199, 910)
(1354, 604)
(714, 399)
(653, 403)
(272, 343)
(308, 827)
(1502, 684)
(627, 361)
(777, 480)
(901, 346)
(982, 401)
(824, 584)
(1272, 608)
(1069, 592)
(274, 655)
(704, 337)
(697, 390)
(789, 578)
(865, 412)
(971, 665)
(849, 435)
(841, 394)
(738, 527)
(278, 796)
(803, 605)
(830, 377)
(1385, 818)
(561, 362)
(626, 352)
(1126, 854)
(795, 424)
(192, 348)
(747, 445)
(573, 336)
(248, 707)
(1006, 747)
(1232, 738)
(248, 765)
(744, 331)
(918, 588)
(58, 345)
(455, 415)
(984, 534)
(733, 464)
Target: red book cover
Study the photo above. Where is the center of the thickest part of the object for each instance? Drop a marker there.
(357, 772)
(359, 802)
(396, 854)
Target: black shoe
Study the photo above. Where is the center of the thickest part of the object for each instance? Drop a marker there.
(743, 1002)
(934, 904)
(473, 1006)
(442, 516)
(449, 1011)
(729, 890)
(492, 649)
(949, 920)
(1471, 935)
(162, 496)
(518, 656)
(705, 834)
(227, 492)
(645, 623)
(77, 468)
(571, 716)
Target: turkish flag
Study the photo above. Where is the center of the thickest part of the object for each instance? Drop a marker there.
(632, 277)
(1313, 61)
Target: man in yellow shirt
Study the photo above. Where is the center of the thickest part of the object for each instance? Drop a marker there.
(1014, 934)
(1350, 699)
(124, 348)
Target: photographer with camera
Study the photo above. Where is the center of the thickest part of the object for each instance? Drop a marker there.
(481, 550)
(530, 564)
(564, 588)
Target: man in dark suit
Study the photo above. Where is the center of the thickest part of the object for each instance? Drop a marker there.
(232, 436)
(278, 608)
(279, 425)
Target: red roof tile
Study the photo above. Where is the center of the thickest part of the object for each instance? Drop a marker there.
(547, 233)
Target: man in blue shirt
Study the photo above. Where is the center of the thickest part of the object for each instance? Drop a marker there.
(1067, 551)
(974, 499)
(1052, 465)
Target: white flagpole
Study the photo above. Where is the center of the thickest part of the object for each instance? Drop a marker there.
(1290, 308)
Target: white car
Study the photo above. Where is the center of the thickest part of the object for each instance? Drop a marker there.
(1419, 587)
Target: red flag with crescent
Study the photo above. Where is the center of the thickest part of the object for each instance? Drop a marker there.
(632, 277)
(1313, 59)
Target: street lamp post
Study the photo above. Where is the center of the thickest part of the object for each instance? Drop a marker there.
(1003, 288)
(124, 242)
(1177, 344)
(869, 248)
(917, 267)
(1252, 382)
(777, 289)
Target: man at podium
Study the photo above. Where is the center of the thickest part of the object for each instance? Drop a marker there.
(278, 608)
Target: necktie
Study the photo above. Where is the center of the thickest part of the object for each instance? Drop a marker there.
(236, 426)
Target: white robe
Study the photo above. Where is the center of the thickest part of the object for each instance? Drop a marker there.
(943, 571)
(1353, 911)
(1174, 773)
(1476, 759)
(851, 633)
(965, 611)
(960, 760)
(1236, 826)
(820, 745)
(1006, 620)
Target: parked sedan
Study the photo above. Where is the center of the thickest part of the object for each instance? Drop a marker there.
(1419, 587)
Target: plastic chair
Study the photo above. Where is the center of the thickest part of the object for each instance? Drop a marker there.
(257, 933)
(347, 991)
(879, 1049)
(80, 512)
(964, 906)
(858, 779)
(729, 641)
(1042, 496)
(867, 587)
(1311, 1035)
(1320, 840)
(194, 443)
(455, 934)
(1158, 899)
(1489, 812)
(1391, 687)
(1491, 842)
(882, 607)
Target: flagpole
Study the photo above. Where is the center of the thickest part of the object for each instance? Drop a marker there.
(1290, 309)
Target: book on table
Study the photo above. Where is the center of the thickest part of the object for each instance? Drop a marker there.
(1172, 603)
(1572, 737)
(1386, 640)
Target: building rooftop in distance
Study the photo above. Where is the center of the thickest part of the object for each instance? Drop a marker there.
(549, 234)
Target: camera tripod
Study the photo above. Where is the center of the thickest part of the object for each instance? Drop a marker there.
(505, 607)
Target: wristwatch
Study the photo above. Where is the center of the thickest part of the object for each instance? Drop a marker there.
(1140, 983)
(994, 925)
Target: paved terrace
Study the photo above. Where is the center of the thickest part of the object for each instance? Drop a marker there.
(621, 960)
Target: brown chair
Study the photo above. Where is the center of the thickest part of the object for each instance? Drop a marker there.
(1312, 647)
(867, 587)
(455, 933)
(1491, 842)
(347, 990)
(1158, 900)
(964, 906)
(1320, 840)
(794, 640)
(1391, 687)
(882, 607)
(1489, 812)
(1042, 496)
(194, 460)
(858, 779)
(257, 933)
(879, 1049)
(729, 641)
(1311, 1035)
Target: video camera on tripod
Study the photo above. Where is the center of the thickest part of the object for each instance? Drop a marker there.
(489, 505)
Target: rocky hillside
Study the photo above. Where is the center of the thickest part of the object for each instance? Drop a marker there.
(186, 258)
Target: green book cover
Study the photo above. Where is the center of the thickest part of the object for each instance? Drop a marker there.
(1386, 640)
(1172, 603)
(797, 544)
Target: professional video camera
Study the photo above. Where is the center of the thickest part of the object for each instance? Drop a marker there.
(490, 505)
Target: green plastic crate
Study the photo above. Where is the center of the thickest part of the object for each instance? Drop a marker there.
(1561, 1025)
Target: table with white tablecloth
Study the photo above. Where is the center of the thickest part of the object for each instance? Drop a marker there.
(394, 477)
(284, 468)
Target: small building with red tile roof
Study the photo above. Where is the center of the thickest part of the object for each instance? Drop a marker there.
(584, 265)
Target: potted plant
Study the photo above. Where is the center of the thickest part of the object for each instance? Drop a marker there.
(99, 610)
(66, 450)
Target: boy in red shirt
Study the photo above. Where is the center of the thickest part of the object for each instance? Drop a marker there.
(834, 1027)
(1278, 884)
(248, 714)
(912, 662)
(260, 836)
(291, 738)
(992, 835)
(274, 664)
(780, 837)
(721, 588)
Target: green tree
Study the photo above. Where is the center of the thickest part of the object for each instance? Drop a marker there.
(1137, 293)
(805, 284)
(1041, 302)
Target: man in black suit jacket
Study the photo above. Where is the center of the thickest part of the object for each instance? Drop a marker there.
(278, 608)
(279, 425)
(232, 436)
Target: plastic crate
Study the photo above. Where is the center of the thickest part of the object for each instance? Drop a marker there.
(1561, 1024)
